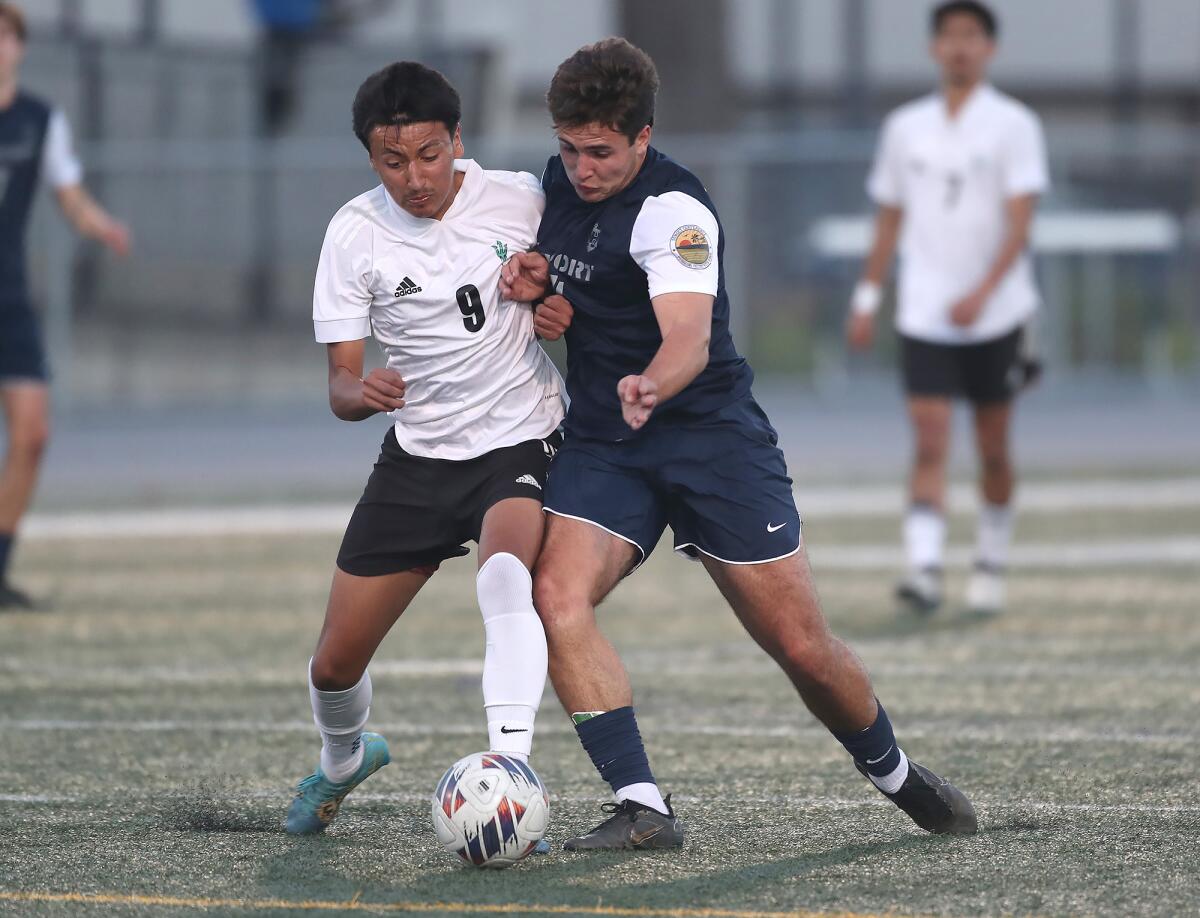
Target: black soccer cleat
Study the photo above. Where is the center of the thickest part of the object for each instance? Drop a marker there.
(921, 590)
(14, 600)
(934, 803)
(632, 826)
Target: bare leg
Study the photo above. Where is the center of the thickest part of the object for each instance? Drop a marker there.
(930, 419)
(985, 589)
(27, 422)
(360, 613)
(361, 610)
(992, 424)
(514, 526)
(580, 565)
(777, 604)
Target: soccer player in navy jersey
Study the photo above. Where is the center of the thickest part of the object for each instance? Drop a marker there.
(662, 429)
(35, 145)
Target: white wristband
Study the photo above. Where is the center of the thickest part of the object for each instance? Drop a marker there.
(866, 298)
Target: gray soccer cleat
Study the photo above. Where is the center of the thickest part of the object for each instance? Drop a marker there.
(933, 803)
(632, 825)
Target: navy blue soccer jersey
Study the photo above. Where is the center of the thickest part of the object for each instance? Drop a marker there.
(34, 144)
(609, 259)
(23, 127)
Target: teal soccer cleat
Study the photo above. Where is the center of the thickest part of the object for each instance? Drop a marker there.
(318, 799)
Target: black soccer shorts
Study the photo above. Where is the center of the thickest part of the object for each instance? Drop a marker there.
(417, 512)
(988, 372)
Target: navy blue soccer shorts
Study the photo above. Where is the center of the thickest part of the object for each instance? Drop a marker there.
(719, 481)
(21, 354)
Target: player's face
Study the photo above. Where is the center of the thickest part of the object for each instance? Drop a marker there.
(962, 48)
(11, 51)
(415, 162)
(600, 161)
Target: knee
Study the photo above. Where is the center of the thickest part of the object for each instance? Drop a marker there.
(931, 448)
(331, 674)
(995, 463)
(502, 586)
(560, 604)
(28, 439)
(808, 660)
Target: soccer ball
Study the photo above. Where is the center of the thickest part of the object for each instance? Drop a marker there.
(490, 809)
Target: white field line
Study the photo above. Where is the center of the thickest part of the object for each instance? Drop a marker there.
(1166, 552)
(1037, 497)
(20, 672)
(1017, 734)
(1086, 555)
(788, 800)
(815, 502)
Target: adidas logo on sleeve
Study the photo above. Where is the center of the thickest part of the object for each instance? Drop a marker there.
(406, 287)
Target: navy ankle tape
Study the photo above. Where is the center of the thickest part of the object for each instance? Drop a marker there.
(613, 743)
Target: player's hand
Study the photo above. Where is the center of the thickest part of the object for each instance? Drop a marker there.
(860, 331)
(115, 235)
(524, 277)
(968, 309)
(552, 317)
(383, 390)
(639, 395)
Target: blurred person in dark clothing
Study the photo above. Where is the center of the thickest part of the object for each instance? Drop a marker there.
(35, 145)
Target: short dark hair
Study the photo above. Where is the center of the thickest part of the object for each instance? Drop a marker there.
(610, 82)
(983, 13)
(11, 13)
(404, 93)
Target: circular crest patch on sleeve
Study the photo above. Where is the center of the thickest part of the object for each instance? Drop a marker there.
(690, 245)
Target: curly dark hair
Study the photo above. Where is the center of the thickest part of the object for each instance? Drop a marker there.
(610, 82)
(404, 93)
(981, 12)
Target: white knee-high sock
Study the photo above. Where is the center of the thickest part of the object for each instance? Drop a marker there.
(514, 661)
(994, 535)
(924, 536)
(341, 716)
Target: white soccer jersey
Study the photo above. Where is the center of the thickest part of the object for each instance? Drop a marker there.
(953, 178)
(428, 291)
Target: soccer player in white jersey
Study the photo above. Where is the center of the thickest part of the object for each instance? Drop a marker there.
(476, 403)
(35, 147)
(956, 178)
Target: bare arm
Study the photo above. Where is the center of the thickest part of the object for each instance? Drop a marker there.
(685, 320)
(91, 220)
(354, 398)
(1019, 212)
(883, 249)
(861, 326)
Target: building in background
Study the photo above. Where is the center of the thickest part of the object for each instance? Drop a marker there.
(775, 103)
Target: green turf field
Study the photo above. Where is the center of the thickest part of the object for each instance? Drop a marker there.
(151, 726)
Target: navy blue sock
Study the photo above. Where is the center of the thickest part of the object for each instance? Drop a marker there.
(874, 748)
(6, 541)
(615, 746)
